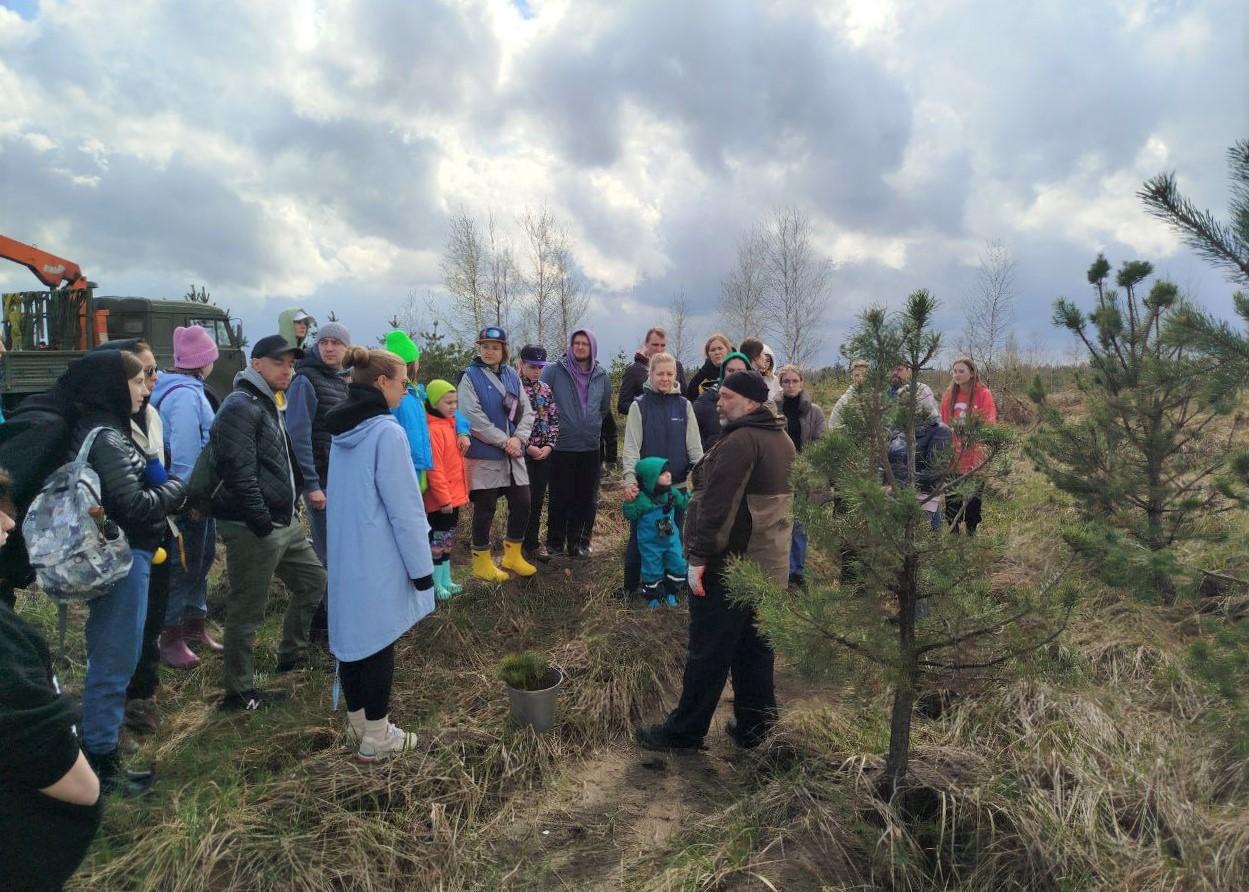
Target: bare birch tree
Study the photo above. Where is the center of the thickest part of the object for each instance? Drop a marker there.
(744, 293)
(540, 275)
(572, 296)
(504, 279)
(679, 334)
(990, 309)
(797, 278)
(464, 269)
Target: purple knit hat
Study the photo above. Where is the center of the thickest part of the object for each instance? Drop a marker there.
(193, 347)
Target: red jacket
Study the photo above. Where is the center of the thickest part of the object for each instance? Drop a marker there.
(981, 404)
(448, 478)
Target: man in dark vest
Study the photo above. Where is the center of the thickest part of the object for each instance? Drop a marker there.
(742, 506)
(319, 385)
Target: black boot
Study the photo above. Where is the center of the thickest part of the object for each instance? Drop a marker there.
(115, 779)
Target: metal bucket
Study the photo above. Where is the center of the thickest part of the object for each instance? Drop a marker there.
(537, 708)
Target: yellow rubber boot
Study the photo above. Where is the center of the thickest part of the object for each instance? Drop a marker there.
(515, 561)
(484, 568)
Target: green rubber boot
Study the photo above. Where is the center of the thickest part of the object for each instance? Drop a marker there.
(441, 592)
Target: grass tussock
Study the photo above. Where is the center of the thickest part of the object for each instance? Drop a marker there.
(293, 812)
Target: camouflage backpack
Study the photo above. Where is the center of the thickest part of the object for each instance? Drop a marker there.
(75, 556)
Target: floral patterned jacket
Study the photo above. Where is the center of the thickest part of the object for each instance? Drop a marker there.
(545, 414)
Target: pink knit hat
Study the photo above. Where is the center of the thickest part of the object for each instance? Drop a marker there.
(193, 347)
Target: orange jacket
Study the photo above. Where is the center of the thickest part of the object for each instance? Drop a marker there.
(981, 404)
(448, 478)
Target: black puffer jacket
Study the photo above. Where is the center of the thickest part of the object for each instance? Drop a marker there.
(139, 510)
(254, 459)
(102, 399)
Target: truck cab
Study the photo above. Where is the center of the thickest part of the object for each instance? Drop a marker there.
(45, 331)
(155, 320)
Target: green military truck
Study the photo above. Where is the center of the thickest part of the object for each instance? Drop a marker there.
(45, 330)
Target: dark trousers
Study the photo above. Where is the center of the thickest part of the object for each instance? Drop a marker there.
(539, 478)
(574, 485)
(724, 643)
(146, 678)
(484, 502)
(43, 840)
(366, 683)
(971, 514)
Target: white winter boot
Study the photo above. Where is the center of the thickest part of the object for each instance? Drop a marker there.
(355, 728)
(382, 740)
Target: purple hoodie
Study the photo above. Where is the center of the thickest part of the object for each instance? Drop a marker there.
(580, 376)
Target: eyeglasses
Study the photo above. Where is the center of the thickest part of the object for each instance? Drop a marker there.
(150, 371)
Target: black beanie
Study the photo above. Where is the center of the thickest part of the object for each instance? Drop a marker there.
(749, 384)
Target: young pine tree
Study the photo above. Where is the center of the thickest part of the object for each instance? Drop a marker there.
(912, 600)
(1225, 245)
(1147, 464)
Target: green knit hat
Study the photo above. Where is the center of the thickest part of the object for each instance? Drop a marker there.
(398, 343)
(437, 389)
(734, 355)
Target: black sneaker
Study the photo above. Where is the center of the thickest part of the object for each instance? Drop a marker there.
(581, 552)
(253, 700)
(117, 780)
(660, 739)
(797, 580)
(298, 664)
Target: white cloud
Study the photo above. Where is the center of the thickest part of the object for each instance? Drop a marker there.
(315, 149)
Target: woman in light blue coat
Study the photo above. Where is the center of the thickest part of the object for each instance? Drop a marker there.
(381, 579)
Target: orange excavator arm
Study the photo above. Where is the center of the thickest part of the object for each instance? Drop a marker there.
(48, 268)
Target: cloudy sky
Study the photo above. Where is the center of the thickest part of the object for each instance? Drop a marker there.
(311, 152)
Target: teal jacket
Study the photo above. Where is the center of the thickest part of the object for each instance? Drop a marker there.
(648, 471)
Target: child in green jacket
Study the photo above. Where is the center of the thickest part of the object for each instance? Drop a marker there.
(659, 538)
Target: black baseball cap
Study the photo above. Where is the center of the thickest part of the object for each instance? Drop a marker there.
(273, 347)
(533, 354)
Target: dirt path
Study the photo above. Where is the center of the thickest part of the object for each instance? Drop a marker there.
(622, 804)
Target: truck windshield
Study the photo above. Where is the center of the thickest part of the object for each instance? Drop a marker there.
(217, 328)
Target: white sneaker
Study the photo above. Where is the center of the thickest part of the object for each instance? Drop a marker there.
(382, 740)
(355, 728)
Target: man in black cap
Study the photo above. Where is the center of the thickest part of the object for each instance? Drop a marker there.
(255, 510)
(742, 506)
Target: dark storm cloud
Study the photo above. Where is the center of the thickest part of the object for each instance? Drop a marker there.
(378, 181)
(177, 218)
(744, 89)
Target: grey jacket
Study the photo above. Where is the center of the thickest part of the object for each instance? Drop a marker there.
(490, 473)
(579, 429)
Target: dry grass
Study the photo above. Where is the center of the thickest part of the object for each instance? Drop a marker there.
(1100, 766)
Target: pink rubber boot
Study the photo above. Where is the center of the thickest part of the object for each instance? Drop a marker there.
(173, 649)
(195, 630)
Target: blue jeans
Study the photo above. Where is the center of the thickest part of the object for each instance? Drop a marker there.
(114, 640)
(188, 589)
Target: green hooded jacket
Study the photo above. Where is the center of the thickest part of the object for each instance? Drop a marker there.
(286, 326)
(648, 471)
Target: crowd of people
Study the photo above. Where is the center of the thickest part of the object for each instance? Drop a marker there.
(381, 466)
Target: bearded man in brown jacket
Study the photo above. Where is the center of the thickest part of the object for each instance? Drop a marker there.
(742, 506)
